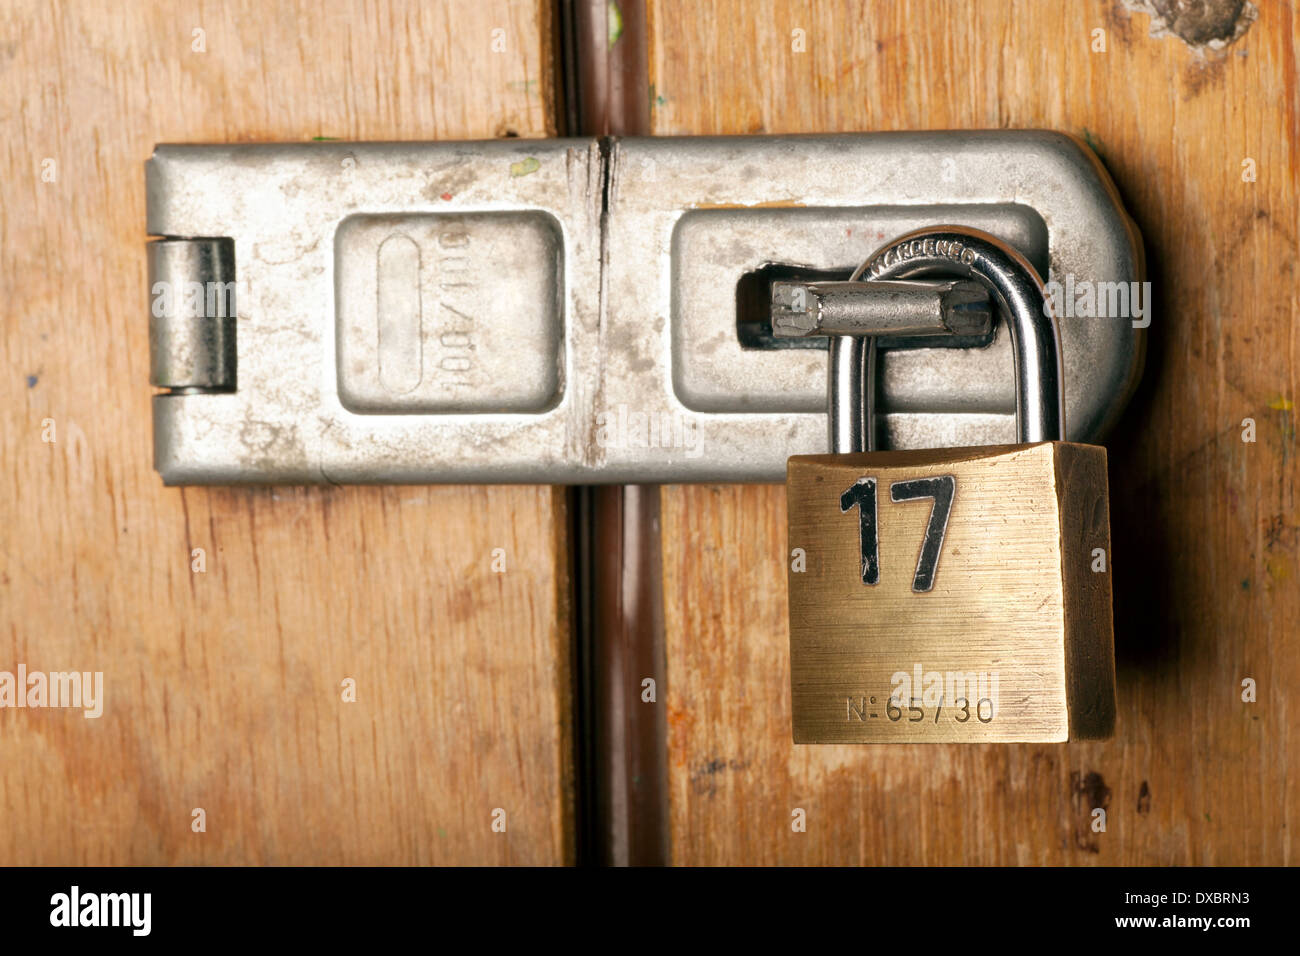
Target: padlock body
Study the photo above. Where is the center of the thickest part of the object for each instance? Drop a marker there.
(987, 616)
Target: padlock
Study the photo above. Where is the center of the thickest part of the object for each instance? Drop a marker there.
(953, 595)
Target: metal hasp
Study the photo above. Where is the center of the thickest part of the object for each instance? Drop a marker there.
(913, 309)
(566, 311)
(858, 315)
(192, 314)
(865, 309)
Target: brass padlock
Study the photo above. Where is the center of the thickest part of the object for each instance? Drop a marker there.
(958, 595)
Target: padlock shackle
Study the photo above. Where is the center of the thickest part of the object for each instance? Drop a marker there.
(851, 384)
(1018, 292)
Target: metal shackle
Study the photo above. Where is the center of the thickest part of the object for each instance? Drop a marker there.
(1015, 289)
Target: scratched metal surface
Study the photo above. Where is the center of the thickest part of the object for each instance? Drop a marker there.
(600, 344)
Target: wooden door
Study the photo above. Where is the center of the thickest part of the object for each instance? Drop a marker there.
(1202, 144)
(234, 626)
(227, 621)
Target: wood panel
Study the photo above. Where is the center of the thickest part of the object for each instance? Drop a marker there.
(1205, 526)
(223, 689)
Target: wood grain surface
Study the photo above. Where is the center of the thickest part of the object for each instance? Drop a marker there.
(223, 690)
(1205, 526)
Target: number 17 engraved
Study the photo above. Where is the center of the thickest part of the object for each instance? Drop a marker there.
(862, 493)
